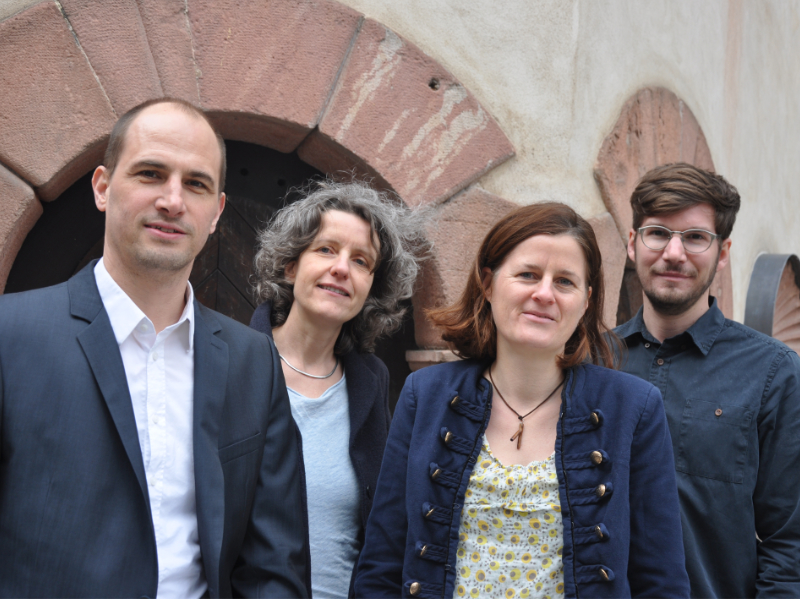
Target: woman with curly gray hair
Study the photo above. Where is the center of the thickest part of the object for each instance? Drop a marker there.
(333, 269)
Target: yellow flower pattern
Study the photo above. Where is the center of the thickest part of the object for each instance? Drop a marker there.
(511, 538)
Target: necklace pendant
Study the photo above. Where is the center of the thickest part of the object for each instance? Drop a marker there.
(518, 436)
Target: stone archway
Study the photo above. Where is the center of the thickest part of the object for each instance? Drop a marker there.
(311, 76)
(654, 128)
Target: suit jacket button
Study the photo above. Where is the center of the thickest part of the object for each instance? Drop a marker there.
(600, 490)
(448, 437)
(435, 474)
(455, 400)
(598, 531)
(595, 419)
(423, 550)
(604, 574)
(415, 588)
(597, 458)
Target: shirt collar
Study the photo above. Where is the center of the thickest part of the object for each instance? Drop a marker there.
(123, 313)
(703, 332)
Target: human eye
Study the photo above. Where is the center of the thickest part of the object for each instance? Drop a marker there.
(697, 235)
(565, 282)
(656, 232)
(148, 173)
(197, 184)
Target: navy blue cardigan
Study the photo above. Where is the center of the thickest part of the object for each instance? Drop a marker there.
(368, 396)
(622, 530)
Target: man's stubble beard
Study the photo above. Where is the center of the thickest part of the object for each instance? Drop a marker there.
(671, 303)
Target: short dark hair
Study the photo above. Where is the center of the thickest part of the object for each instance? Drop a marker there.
(116, 141)
(468, 324)
(678, 186)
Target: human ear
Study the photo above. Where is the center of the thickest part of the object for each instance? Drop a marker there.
(724, 255)
(486, 282)
(290, 272)
(632, 245)
(219, 213)
(100, 181)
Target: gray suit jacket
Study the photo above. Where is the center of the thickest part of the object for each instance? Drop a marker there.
(74, 508)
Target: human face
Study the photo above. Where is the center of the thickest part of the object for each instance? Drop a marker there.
(162, 200)
(333, 276)
(676, 281)
(538, 294)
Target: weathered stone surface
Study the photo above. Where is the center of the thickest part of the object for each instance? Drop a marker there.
(654, 128)
(169, 33)
(113, 37)
(278, 59)
(405, 117)
(19, 211)
(54, 116)
(614, 254)
(457, 230)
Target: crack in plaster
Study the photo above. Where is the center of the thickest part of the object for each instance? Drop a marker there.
(88, 62)
(384, 66)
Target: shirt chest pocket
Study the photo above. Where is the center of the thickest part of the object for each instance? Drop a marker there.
(713, 440)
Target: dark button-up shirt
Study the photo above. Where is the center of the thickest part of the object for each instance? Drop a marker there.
(733, 407)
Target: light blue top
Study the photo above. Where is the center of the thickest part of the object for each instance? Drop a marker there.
(332, 488)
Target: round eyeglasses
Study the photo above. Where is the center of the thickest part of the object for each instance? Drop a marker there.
(695, 241)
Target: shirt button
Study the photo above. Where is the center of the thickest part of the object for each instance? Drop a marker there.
(604, 575)
(660, 361)
(414, 588)
(423, 550)
(647, 344)
(718, 412)
(598, 531)
(435, 474)
(155, 355)
(597, 457)
(600, 490)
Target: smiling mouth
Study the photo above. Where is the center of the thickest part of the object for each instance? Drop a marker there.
(335, 290)
(164, 229)
(539, 316)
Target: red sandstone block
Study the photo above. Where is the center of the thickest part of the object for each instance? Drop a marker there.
(19, 211)
(54, 116)
(278, 60)
(169, 33)
(614, 254)
(405, 117)
(457, 230)
(112, 35)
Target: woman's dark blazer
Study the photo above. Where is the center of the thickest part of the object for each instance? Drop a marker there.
(368, 395)
(614, 459)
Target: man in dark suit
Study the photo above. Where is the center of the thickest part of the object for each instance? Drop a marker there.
(146, 442)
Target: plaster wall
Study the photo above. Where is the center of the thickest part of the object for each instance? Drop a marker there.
(555, 75)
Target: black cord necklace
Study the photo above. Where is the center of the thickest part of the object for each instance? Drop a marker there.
(518, 436)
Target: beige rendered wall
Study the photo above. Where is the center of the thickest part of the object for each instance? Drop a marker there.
(556, 74)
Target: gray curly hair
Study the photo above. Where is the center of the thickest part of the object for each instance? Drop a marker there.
(402, 240)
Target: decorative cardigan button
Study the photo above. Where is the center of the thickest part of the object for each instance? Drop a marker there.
(415, 588)
(603, 574)
(600, 490)
(429, 513)
(448, 437)
(455, 401)
(435, 474)
(595, 419)
(423, 550)
(598, 531)
(597, 457)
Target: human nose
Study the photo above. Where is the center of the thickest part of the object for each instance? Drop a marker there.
(543, 292)
(171, 199)
(341, 266)
(674, 250)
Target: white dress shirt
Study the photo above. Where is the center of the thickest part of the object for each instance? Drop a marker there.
(160, 373)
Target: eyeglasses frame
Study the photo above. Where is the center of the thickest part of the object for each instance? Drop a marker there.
(714, 236)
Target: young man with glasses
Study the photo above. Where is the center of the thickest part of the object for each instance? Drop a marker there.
(731, 394)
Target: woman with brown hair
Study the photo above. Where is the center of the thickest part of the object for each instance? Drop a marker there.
(530, 469)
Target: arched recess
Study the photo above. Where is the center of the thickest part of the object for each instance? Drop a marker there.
(311, 76)
(654, 128)
(773, 298)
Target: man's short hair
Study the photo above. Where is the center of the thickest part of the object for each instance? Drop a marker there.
(672, 188)
(116, 141)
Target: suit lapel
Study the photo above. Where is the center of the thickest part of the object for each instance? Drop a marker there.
(210, 382)
(102, 353)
